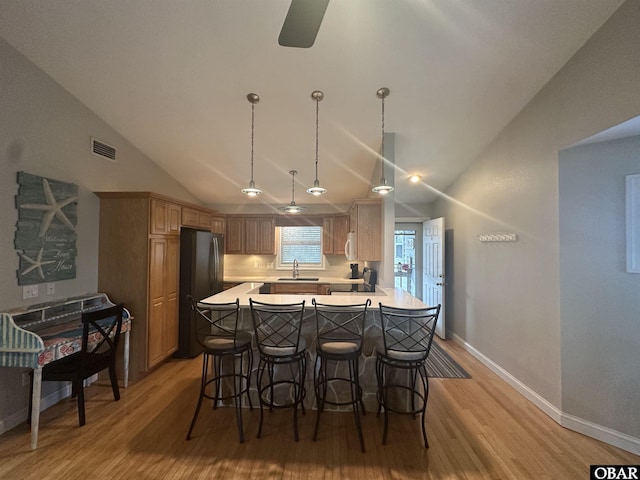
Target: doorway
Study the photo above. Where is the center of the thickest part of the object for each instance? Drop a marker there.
(407, 271)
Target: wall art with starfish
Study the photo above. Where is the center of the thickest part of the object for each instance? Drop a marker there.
(45, 239)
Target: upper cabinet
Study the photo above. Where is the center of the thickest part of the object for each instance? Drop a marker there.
(165, 218)
(192, 217)
(234, 241)
(218, 224)
(366, 222)
(250, 235)
(334, 234)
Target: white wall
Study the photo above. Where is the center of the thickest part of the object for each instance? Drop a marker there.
(599, 301)
(45, 131)
(504, 300)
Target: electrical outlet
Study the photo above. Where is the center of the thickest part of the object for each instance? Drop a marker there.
(29, 291)
(51, 288)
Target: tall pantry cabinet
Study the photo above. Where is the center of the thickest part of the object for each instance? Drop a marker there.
(138, 264)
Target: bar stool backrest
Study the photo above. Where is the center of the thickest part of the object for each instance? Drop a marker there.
(221, 322)
(277, 327)
(340, 323)
(408, 333)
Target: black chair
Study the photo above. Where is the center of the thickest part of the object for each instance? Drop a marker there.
(339, 338)
(282, 356)
(100, 338)
(225, 344)
(407, 337)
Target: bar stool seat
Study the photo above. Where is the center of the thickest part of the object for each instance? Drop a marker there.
(339, 339)
(227, 346)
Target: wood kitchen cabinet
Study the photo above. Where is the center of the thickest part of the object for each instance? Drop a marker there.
(138, 264)
(163, 298)
(250, 235)
(192, 217)
(300, 288)
(366, 222)
(334, 234)
(218, 224)
(234, 238)
(165, 217)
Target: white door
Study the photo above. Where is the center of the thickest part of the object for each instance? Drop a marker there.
(434, 274)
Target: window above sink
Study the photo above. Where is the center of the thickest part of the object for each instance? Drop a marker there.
(301, 243)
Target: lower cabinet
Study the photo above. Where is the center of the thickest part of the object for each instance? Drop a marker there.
(300, 288)
(163, 299)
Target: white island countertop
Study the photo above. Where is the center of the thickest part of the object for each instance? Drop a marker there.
(286, 277)
(394, 297)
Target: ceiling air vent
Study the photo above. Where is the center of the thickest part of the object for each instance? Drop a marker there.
(103, 150)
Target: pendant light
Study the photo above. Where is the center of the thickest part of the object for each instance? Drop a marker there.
(251, 190)
(383, 188)
(292, 207)
(317, 190)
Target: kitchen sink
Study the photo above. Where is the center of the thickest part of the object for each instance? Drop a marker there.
(301, 279)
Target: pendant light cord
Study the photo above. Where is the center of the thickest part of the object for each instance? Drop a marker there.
(317, 109)
(253, 107)
(382, 157)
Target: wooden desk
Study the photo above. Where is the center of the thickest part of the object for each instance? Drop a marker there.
(33, 336)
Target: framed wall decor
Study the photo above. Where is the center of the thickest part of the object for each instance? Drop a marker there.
(45, 239)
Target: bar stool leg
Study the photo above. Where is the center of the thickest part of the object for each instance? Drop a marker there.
(356, 397)
(425, 386)
(203, 384)
(261, 368)
(320, 386)
(237, 397)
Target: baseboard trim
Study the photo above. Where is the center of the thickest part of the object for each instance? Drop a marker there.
(21, 415)
(585, 427)
(47, 401)
(599, 432)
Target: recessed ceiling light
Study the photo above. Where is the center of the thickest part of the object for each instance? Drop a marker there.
(415, 178)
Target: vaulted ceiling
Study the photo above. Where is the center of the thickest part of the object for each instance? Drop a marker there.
(172, 77)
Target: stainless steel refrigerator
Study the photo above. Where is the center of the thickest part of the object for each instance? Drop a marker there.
(201, 268)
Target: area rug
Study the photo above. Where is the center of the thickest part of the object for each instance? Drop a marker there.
(441, 365)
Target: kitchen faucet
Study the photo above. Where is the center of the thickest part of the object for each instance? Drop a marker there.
(296, 271)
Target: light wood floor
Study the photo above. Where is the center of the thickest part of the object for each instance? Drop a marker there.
(479, 428)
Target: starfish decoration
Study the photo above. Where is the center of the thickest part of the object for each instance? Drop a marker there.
(53, 208)
(35, 264)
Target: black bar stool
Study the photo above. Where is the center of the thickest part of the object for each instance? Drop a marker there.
(407, 336)
(224, 343)
(340, 333)
(282, 356)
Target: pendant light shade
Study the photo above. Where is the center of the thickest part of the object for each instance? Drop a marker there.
(251, 190)
(383, 187)
(317, 190)
(292, 207)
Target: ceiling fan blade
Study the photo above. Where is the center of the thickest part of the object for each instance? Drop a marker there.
(302, 23)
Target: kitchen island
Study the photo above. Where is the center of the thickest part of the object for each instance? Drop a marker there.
(394, 297)
(304, 283)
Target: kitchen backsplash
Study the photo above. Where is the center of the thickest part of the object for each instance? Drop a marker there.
(258, 265)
